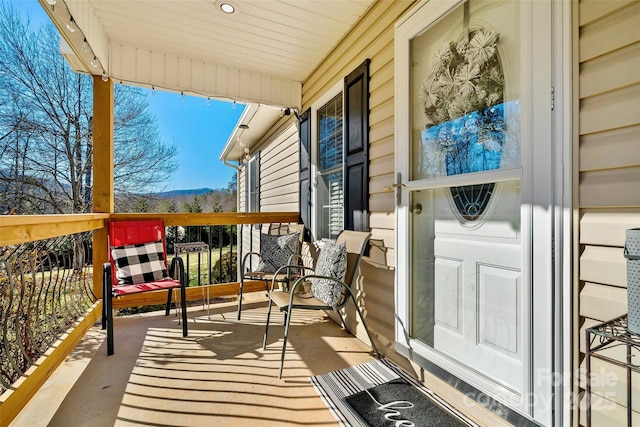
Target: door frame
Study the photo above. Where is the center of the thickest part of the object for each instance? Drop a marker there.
(550, 212)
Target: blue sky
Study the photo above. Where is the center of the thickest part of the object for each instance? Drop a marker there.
(199, 131)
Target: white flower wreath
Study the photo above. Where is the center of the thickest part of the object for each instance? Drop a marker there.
(466, 76)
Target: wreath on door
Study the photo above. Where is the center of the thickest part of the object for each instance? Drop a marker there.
(463, 99)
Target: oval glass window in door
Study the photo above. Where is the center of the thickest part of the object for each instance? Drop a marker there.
(471, 201)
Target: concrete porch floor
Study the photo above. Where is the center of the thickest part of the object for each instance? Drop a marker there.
(218, 376)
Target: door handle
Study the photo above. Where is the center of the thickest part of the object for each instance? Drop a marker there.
(398, 186)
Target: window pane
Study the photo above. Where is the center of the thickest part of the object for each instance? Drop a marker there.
(330, 134)
(330, 194)
(253, 184)
(330, 202)
(466, 279)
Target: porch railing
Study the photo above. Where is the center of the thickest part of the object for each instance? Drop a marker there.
(50, 292)
(45, 286)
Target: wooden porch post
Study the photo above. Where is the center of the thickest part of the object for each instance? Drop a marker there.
(103, 193)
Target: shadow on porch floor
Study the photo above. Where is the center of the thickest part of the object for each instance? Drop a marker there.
(219, 375)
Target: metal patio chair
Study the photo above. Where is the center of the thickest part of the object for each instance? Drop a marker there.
(283, 238)
(341, 290)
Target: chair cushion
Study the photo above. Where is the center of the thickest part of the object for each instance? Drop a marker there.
(281, 299)
(159, 285)
(332, 262)
(275, 250)
(139, 263)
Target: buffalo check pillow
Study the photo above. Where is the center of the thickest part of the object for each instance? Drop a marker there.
(139, 263)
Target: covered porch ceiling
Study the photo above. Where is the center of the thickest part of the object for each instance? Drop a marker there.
(259, 54)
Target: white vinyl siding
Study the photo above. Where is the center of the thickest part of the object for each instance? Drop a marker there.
(371, 38)
(242, 185)
(278, 183)
(279, 169)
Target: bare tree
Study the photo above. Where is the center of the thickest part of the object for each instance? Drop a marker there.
(45, 127)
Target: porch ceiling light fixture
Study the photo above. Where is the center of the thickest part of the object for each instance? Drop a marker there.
(226, 6)
(52, 2)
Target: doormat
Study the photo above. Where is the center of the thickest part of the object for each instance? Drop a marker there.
(344, 394)
(397, 402)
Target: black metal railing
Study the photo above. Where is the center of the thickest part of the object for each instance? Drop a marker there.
(45, 286)
(209, 252)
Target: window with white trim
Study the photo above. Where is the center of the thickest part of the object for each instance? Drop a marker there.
(334, 159)
(329, 194)
(252, 180)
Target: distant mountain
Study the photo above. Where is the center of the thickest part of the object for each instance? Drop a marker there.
(178, 193)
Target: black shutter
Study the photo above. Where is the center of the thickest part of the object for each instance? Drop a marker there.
(356, 158)
(304, 190)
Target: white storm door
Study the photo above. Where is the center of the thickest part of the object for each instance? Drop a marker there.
(470, 189)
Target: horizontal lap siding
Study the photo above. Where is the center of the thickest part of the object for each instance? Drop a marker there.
(372, 38)
(278, 180)
(279, 171)
(609, 174)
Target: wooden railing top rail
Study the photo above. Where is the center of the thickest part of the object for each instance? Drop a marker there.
(15, 229)
(214, 218)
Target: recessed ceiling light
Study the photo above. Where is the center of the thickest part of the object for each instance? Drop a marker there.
(227, 7)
